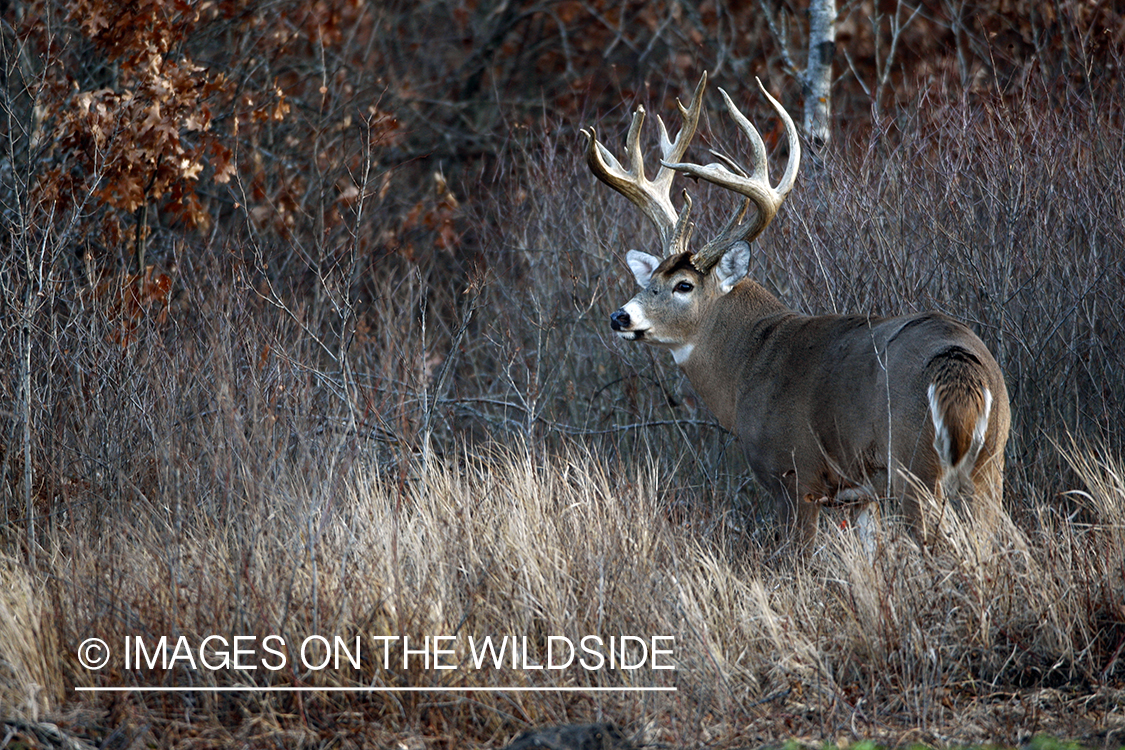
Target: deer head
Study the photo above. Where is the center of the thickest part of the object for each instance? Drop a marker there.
(678, 284)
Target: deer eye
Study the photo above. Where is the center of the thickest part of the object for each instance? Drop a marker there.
(683, 287)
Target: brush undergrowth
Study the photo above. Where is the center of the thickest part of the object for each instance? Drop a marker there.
(974, 641)
(406, 451)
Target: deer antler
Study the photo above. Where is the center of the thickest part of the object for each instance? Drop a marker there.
(652, 196)
(755, 186)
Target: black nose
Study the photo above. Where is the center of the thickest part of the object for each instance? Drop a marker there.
(619, 321)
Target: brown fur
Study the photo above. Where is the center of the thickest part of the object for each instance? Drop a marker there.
(959, 391)
(829, 409)
(825, 404)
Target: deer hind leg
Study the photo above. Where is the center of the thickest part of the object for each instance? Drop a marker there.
(934, 486)
(987, 500)
(924, 505)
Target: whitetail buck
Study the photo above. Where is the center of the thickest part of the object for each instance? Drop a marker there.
(832, 409)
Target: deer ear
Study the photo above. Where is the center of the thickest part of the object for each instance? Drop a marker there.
(642, 265)
(732, 267)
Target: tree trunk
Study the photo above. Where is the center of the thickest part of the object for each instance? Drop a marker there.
(818, 73)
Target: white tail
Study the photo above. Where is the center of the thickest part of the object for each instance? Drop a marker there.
(829, 409)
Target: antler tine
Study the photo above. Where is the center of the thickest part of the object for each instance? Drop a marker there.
(673, 151)
(651, 196)
(755, 187)
(631, 181)
(738, 214)
(681, 235)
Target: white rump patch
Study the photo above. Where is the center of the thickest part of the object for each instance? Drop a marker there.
(943, 443)
(982, 426)
(969, 460)
(957, 478)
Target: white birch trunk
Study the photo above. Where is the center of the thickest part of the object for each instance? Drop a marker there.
(818, 73)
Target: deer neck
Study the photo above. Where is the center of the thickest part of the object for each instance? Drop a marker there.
(722, 349)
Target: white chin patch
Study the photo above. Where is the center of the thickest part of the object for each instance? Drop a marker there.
(638, 323)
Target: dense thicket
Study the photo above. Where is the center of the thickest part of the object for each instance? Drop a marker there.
(257, 259)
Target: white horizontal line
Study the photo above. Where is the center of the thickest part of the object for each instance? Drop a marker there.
(289, 689)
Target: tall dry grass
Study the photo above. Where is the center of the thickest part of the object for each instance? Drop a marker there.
(418, 451)
(943, 646)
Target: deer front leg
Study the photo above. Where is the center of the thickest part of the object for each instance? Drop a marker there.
(796, 515)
